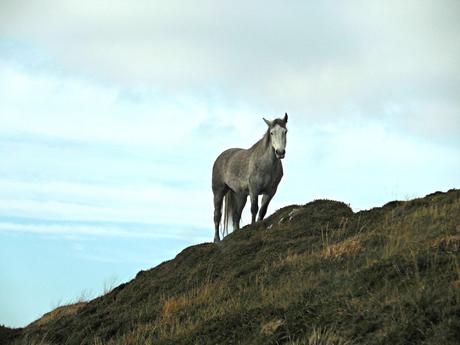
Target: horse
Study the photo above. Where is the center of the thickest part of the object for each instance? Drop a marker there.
(237, 173)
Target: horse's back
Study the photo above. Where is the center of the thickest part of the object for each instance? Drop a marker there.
(228, 163)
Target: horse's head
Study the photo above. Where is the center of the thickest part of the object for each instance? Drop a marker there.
(277, 131)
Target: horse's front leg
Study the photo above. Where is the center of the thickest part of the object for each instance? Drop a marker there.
(265, 201)
(254, 206)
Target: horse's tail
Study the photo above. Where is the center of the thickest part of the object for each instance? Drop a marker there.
(229, 207)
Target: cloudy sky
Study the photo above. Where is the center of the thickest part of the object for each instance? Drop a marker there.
(112, 113)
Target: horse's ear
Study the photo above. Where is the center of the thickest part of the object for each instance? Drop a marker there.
(269, 123)
(285, 117)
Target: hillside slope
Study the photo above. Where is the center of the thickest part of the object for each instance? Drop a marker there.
(312, 274)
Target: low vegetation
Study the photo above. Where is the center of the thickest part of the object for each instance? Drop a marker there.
(313, 274)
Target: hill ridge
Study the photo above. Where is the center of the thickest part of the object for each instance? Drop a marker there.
(384, 275)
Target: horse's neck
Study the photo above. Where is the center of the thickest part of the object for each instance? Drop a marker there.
(263, 151)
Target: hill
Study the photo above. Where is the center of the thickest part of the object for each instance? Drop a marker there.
(311, 274)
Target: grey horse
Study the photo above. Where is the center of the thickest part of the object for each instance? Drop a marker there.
(238, 173)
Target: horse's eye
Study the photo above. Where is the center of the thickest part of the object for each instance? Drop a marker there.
(271, 133)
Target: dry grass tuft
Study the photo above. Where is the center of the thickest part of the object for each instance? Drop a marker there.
(325, 336)
(290, 259)
(322, 336)
(172, 305)
(448, 242)
(456, 284)
(65, 310)
(194, 297)
(350, 246)
(271, 326)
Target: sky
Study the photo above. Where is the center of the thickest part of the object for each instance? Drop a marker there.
(113, 112)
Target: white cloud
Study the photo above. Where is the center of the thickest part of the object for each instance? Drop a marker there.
(155, 231)
(333, 51)
(78, 201)
(75, 108)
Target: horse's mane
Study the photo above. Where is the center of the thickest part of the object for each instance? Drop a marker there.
(263, 142)
(279, 122)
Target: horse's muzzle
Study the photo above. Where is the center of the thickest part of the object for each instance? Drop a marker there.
(280, 154)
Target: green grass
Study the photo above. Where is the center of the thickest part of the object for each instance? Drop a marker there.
(312, 274)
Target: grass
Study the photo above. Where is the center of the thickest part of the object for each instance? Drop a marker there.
(311, 274)
(61, 311)
(319, 336)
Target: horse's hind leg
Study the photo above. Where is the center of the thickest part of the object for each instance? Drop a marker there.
(219, 194)
(240, 203)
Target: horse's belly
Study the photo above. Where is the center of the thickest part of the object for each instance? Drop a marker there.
(237, 185)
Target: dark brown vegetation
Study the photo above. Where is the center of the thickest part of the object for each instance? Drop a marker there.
(312, 274)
